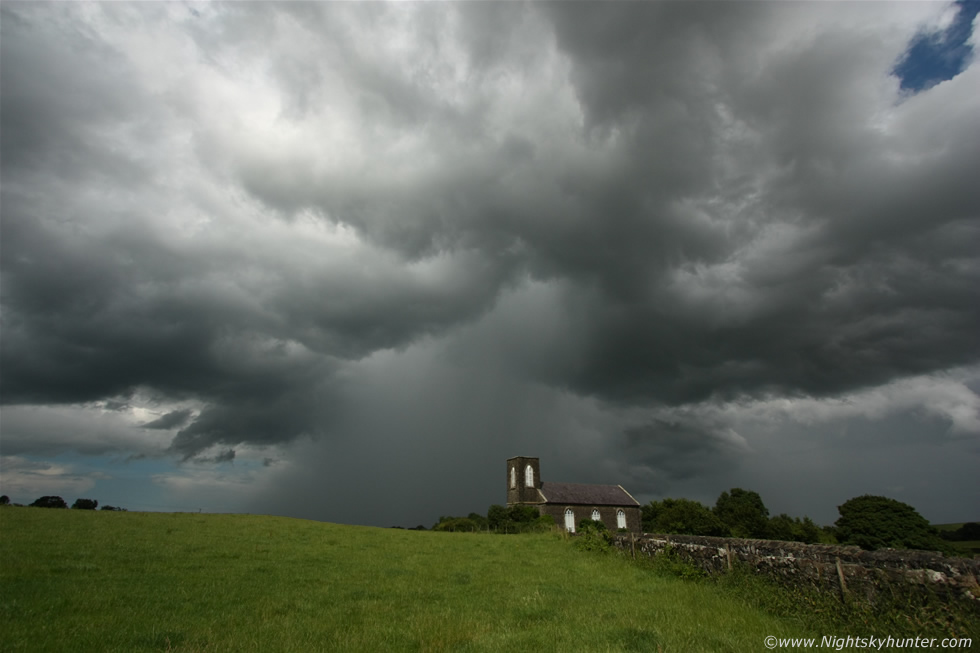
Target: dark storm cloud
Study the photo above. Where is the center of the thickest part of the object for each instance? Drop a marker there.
(823, 265)
(641, 205)
(99, 303)
(669, 450)
(223, 457)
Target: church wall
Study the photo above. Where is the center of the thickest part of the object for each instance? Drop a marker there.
(607, 515)
(519, 493)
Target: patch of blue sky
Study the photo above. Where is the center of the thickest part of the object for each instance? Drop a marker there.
(111, 480)
(938, 56)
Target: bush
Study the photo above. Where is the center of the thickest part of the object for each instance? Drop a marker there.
(669, 563)
(456, 525)
(873, 522)
(517, 519)
(593, 536)
(49, 502)
(591, 523)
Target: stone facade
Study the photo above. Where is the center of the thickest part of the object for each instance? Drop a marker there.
(518, 490)
(570, 503)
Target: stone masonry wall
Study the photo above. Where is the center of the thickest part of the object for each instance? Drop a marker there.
(846, 570)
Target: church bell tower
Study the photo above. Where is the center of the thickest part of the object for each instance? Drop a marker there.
(523, 480)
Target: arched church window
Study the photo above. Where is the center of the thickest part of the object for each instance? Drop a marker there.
(569, 520)
(595, 515)
(620, 519)
(513, 477)
(529, 476)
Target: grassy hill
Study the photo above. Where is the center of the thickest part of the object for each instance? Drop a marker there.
(124, 581)
(109, 581)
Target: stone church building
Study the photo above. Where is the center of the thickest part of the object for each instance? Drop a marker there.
(570, 503)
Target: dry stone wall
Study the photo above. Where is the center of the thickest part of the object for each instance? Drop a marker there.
(847, 570)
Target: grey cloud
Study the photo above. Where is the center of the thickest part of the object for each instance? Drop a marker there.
(649, 60)
(634, 206)
(679, 448)
(224, 457)
(173, 419)
(280, 412)
(787, 320)
(60, 108)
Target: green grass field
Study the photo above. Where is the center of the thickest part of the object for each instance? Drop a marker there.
(106, 581)
(116, 581)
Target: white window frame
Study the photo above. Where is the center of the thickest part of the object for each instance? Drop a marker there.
(620, 519)
(595, 515)
(513, 477)
(529, 476)
(569, 520)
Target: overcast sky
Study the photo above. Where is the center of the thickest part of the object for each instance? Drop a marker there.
(339, 261)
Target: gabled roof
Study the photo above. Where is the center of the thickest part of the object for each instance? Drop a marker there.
(592, 495)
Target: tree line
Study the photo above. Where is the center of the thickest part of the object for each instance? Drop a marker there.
(50, 501)
(736, 513)
(499, 519)
(870, 522)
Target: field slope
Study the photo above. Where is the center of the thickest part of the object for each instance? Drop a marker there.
(105, 581)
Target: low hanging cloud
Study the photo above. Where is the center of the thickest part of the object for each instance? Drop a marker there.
(651, 225)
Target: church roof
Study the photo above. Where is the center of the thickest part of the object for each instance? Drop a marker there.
(592, 495)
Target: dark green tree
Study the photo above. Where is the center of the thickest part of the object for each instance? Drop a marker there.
(873, 522)
(4, 500)
(517, 519)
(522, 514)
(50, 502)
(743, 512)
(497, 516)
(682, 516)
(793, 529)
(85, 504)
(478, 519)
